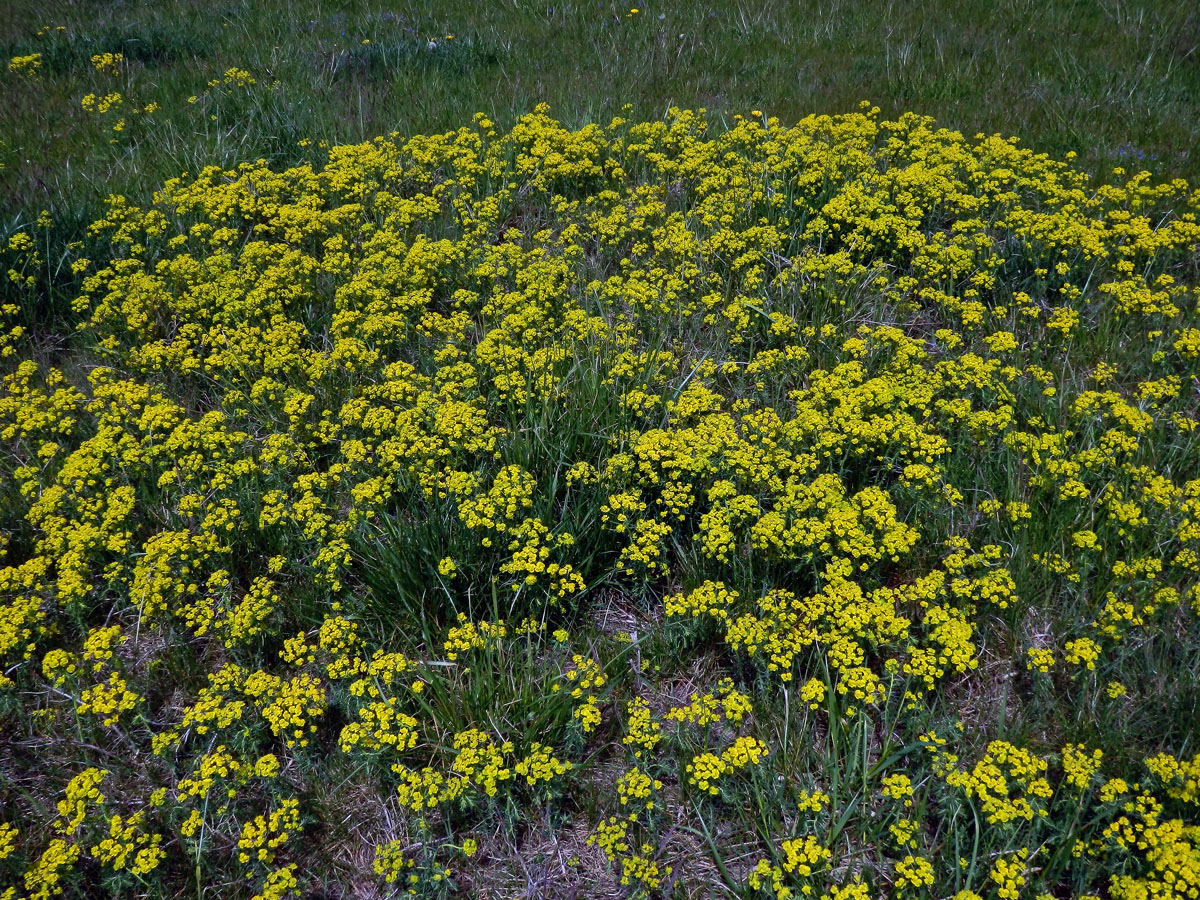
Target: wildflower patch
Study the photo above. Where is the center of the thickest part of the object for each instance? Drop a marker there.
(877, 443)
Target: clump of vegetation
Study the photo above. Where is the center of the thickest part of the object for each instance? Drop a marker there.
(647, 509)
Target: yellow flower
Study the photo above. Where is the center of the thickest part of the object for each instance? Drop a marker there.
(28, 66)
(107, 62)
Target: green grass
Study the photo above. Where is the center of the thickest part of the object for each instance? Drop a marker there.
(1117, 82)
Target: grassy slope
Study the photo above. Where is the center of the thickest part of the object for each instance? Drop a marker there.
(1115, 81)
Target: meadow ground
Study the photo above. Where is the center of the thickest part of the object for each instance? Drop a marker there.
(703, 485)
(1114, 81)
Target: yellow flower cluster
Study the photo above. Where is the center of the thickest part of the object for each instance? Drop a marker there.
(82, 791)
(802, 858)
(126, 839)
(914, 872)
(1008, 781)
(263, 836)
(479, 766)
(1182, 777)
(845, 410)
(1009, 874)
(725, 703)
(29, 65)
(585, 679)
(540, 765)
(706, 769)
(108, 62)
(636, 787)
